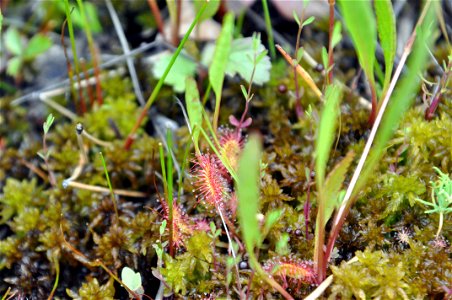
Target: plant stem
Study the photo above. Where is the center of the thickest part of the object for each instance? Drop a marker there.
(305, 75)
(129, 141)
(348, 200)
(92, 49)
(157, 16)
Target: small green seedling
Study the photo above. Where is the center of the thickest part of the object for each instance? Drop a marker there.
(48, 123)
(441, 197)
(22, 53)
(132, 280)
(45, 153)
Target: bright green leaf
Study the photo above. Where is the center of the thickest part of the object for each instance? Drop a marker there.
(1, 21)
(14, 65)
(211, 9)
(361, 25)
(387, 34)
(244, 91)
(296, 18)
(220, 58)
(300, 54)
(48, 123)
(400, 100)
(37, 45)
(248, 192)
(271, 218)
(131, 279)
(194, 107)
(337, 36)
(333, 184)
(326, 132)
(241, 48)
(13, 41)
(325, 57)
(308, 21)
(182, 68)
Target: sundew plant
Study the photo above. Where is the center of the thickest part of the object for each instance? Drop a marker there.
(225, 150)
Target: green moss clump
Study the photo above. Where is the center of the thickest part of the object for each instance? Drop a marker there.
(92, 290)
(417, 272)
(118, 112)
(190, 270)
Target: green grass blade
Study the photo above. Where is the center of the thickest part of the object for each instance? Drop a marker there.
(401, 99)
(194, 109)
(360, 23)
(211, 10)
(70, 28)
(112, 195)
(326, 132)
(220, 59)
(323, 146)
(333, 185)
(268, 26)
(248, 192)
(387, 34)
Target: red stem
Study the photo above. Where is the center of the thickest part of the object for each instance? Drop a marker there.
(157, 16)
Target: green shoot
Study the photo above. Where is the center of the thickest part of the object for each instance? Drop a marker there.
(218, 67)
(248, 193)
(112, 195)
(441, 198)
(268, 25)
(57, 276)
(74, 54)
(324, 142)
(48, 123)
(156, 90)
(194, 109)
(248, 196)
(92, 49)
(401, 101)
(387, 34)
(132, 280)
(45, 153)
(356, 14)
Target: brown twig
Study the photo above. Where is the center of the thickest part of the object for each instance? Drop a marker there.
(157, 16)
(88, 87)
(302, 72)
(175, 33)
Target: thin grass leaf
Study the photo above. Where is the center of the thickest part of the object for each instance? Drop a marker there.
(13, 41)
(400, 101)
(308, 21)
(296, 18)
(361, 25)
(211, 9)
(326, 132)
(194, 108)
(387, 34)
(110, 187)
(333, 185)
(248, 192)
(37, 45)
(220, 58)
(337, 35)
(269, 28)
